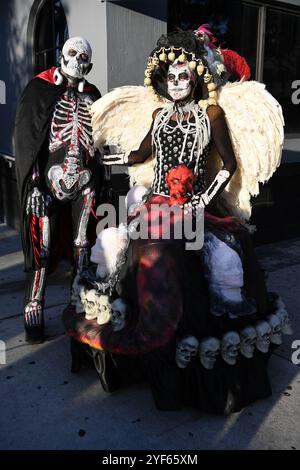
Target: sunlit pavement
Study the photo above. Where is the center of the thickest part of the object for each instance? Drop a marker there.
(45, 406)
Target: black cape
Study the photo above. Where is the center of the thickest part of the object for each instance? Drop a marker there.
(33, 118)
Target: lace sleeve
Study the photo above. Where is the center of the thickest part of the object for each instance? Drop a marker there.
(221, 138)
(222, 142)
(145, 149)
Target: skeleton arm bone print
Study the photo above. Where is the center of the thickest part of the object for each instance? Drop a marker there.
(222, 142)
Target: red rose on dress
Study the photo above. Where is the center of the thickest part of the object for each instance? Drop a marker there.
(180, 180)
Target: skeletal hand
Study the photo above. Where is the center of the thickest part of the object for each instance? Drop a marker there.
(194, 206)
(37, 202)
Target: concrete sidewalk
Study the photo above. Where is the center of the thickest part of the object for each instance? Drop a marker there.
(45, 406)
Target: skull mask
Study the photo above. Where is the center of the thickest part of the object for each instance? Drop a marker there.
(119, 313)
(103, 309)
(263, 331)
(248, 339)
(180, 80)
(180, 182)
(275, 324)
(208, 351)
(230, 346)
(186, 348)
(76, 57)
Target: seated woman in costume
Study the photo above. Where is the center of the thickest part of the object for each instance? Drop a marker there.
(188, 320)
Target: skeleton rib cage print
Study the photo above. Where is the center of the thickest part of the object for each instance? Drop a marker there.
(71, 124)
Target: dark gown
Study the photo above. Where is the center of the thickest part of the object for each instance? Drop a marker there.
(167, 289)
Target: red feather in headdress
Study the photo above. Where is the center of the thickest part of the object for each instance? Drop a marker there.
(235, 64)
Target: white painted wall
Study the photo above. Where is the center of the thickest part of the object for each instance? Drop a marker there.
(131, 36)
(87, 18)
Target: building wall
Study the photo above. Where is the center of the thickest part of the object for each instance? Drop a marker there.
(290, 2)
(15, 72)
(88, 19)
(132, 31)
(15, 63)
(291, 152)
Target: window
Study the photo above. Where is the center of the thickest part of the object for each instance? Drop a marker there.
(48, 30)
(233, 22)
(266, 35)
(281, 64)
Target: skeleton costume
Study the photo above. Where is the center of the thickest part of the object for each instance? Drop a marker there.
(197, 317)
(57, 171)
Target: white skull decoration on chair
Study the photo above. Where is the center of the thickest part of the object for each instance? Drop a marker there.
(248, 340)
(186, 348)
(89, 302)
(96, 306)
(104, 309)
(283, 316)
(263, 340)
(209, 349)
(275, 323)
(119, 314)
(230, 346)
(76, 57)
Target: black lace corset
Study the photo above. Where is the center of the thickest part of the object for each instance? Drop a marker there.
(173, 147)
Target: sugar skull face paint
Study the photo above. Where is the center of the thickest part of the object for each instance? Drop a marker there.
(180, 80)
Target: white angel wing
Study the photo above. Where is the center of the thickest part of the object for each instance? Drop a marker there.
(123, 117)
(255, 122)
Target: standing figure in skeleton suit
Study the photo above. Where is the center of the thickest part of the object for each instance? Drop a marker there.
(57, 172)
